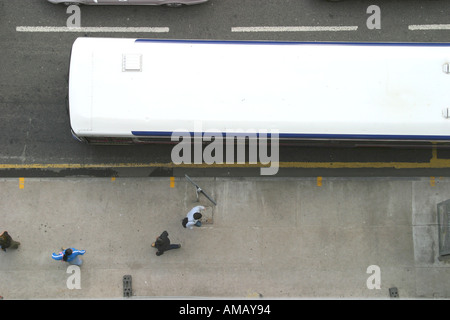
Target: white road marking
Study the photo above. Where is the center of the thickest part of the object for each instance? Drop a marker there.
(92, 29)
(294, 29)
(429, 27)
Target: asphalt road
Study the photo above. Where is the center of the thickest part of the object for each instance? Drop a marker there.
(35, 134)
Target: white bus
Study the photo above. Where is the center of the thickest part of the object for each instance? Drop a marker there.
(144, 90)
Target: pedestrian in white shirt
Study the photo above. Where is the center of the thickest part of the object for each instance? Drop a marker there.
(193, 218)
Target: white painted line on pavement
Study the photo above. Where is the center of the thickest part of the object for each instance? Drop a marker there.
(429, 27)
(92, 29)
(293, 29)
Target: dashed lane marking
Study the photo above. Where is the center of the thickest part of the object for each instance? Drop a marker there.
(92, 29)
(294, 29)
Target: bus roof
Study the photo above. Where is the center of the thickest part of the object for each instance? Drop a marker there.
(119, 86)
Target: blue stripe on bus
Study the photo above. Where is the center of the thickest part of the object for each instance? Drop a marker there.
(168, 134)
(256, 42)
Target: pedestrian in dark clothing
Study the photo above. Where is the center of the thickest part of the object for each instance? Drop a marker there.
(162, 243)
(7, 242)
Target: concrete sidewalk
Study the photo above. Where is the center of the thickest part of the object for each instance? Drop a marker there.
(275, 237)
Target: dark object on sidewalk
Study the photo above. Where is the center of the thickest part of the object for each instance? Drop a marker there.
(393, 292)
(443, 217)
(127, 290)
